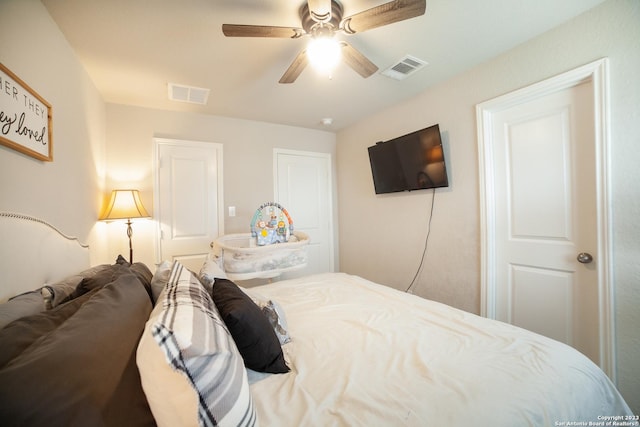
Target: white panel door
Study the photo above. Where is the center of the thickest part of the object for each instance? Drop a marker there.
(303, 187)
(546, 210)
(188, 200)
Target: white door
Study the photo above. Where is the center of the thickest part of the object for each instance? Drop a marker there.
(543, 153)
(188, 199)
(303, 187)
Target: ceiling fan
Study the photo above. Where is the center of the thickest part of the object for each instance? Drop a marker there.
(322, 19)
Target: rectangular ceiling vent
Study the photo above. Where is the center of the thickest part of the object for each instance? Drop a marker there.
(183, 93)
(404, 67)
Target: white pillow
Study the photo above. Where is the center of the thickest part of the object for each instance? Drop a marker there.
(158, 379)
(203, 379)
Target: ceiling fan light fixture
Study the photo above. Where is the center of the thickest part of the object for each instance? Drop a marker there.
(324, 54)
(321, 19)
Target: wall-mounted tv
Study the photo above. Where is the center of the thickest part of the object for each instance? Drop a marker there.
(410, 162)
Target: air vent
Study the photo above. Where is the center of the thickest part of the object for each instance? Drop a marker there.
(404, 68)
(182, 93)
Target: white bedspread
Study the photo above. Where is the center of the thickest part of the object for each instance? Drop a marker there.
(363, 354)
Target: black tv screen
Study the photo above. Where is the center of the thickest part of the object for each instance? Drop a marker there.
(410, 162)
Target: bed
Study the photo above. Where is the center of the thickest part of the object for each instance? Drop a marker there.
(172, 347)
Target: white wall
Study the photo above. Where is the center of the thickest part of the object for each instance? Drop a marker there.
(65, 192)
(247, 155)
(382, 236)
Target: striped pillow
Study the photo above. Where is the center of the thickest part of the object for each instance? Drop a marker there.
(196, 342)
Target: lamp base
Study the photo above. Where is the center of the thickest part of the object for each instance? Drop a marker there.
(129, 234)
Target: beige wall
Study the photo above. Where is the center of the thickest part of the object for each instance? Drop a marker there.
(247, 154)
(382, 237)
(65, 192)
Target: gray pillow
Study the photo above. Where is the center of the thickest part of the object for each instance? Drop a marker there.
(56, 293)
(160, 279)
(20, 306)
(274, 313)
(209, 272)
(72, 374)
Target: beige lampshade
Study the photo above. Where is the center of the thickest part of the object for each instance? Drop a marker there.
(124, 204)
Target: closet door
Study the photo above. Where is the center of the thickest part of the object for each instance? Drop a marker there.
(302, 184)
(188, 199)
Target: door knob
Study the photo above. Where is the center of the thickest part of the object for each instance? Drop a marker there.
(585, 257)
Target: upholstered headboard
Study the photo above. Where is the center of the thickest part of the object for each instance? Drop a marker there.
(33, 253)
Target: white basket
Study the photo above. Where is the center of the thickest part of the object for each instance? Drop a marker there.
(242, 259)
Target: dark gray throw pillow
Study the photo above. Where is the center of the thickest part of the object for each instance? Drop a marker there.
(99, 278)
(20, 306)
(105, 274)
(249, 327)
(72, 375)
(60, 292)
(24, 332)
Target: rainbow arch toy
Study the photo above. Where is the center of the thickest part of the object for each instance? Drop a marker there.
(271, 223)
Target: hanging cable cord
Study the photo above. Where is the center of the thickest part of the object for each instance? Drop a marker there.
(426, 242)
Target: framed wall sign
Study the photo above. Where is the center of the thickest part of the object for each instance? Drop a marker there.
(25, 118)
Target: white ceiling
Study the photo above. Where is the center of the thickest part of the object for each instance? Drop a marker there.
(132, 49)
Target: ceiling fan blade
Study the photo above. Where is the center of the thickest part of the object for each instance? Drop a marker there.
(388, 13)
(320, 10)
(233, 30)
(295, 68)
(357, 61)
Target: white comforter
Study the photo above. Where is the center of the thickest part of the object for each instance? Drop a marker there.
(363, 354)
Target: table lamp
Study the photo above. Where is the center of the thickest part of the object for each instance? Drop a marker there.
(125, 204)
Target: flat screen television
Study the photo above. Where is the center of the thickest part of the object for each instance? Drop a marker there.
(410, 162)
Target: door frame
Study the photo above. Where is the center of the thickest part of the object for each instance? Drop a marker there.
(327, 158)
(597, 73)
(157, 142)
